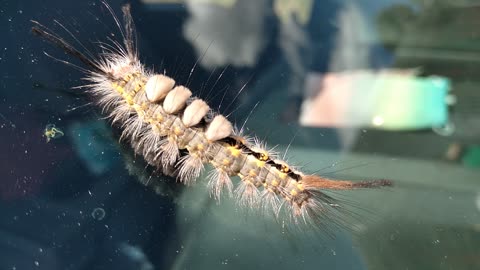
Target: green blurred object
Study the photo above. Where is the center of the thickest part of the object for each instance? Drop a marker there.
(472, 157)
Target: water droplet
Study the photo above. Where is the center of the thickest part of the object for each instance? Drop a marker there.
(98, 213)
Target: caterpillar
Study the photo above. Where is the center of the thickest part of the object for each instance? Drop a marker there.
(179, 133)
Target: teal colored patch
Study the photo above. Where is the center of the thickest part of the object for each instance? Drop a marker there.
(471, 158)
(409, 102)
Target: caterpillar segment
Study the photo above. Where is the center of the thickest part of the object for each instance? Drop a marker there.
(179, 134)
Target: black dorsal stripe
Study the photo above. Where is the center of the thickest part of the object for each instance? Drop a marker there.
(238, 144)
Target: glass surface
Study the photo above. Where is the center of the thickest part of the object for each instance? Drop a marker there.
(356, 90)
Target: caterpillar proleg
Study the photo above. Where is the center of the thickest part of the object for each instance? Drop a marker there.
(179, 134)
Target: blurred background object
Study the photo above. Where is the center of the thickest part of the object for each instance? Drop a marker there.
(385, 99)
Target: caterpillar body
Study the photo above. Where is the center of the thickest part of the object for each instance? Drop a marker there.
(180, 134)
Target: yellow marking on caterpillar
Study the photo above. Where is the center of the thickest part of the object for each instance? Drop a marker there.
(274, 183)
(140, 111)
(138, 87)
(235, 152)
(226, 162)
(178, 131)
(300, 187)
(119, 89)
(293, 192)
(129, 99)
(137, 108)
(200, 147)
(252, 173)
(159, 118)
(282, 176)
(260, 163)
(263, 156)
(155, 128)
(284, 169)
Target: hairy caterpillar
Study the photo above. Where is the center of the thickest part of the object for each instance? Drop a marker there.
(179, 134)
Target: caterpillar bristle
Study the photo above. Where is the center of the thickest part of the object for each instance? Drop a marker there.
(191, 166)
(180, 134)
(317, 182)
(169, 152)
(219, 183)
(247, 195)
(374, 184)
